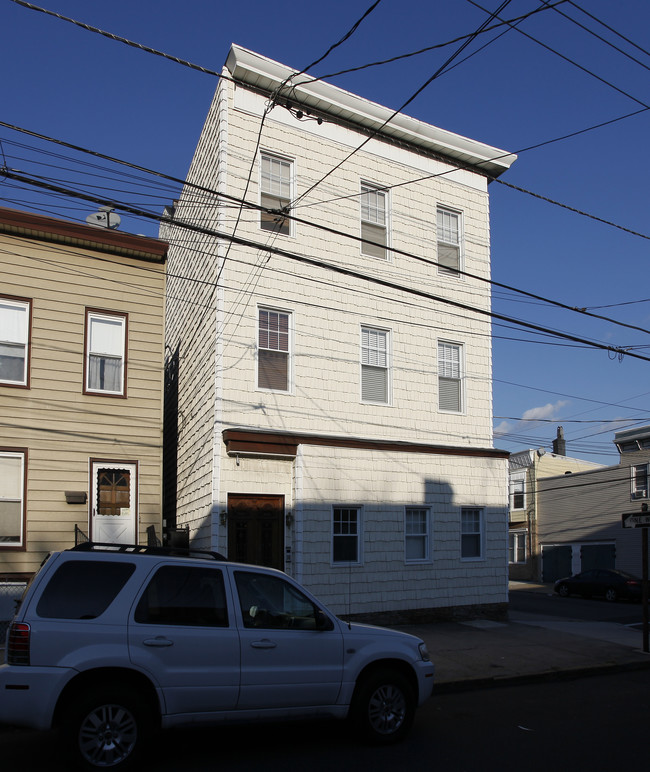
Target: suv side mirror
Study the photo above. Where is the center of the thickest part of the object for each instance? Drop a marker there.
(323, 622)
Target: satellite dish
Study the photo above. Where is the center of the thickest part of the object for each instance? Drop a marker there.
(105, 218)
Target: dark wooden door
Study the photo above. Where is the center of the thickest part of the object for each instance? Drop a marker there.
(255, 529)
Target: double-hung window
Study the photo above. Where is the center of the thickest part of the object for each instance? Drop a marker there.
(471, 539)
(416, 534)
(518, 492)
(346, 530)
(273, 349)
(375, 355)
(14, 341)
(105, 353)
(276, 193)
(374, 231)
(640, 481)
(12, 498)
(450, 377)
(449, 241)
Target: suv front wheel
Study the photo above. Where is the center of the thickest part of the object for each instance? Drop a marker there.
(383, 707)
(107, 729)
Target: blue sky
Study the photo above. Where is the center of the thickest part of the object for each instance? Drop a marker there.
(517, 92)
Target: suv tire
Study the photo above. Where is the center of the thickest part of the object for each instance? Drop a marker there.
(383, 707)
(107, 728)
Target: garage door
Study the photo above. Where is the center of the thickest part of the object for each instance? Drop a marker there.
(597, 556)
(556, 562)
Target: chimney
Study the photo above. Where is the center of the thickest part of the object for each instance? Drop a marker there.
(559, 443)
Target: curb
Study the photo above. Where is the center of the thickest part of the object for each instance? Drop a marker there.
(546, 676)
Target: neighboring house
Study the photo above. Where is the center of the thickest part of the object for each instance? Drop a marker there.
(336, 426)
(579, 516)
(527, 468)
(81, 377)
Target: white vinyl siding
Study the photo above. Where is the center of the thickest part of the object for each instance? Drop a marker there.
(105, 353)
(273, 350)
(12, 475)
(416, 534)
(276, 192)
(471, 544)
(374, 229)
(374, 365)
(14, 339)
(450, 377)
(449, 241)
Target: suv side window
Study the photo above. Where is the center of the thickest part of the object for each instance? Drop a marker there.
(270, 602)
(184, 595)
(83, 589)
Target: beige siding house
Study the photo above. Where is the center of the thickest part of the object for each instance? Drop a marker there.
(81, 383)
(580, 515)
(527, 469)
(334, 365)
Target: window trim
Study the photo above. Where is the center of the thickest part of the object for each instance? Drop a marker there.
(258, 348)
(292, 177)
(426, 535)
(21, 453)
(26, 382)
(444, 270)
(369, 187)
(519, 477)
(123, 318)
(359, 536)
(481, 534)
(636, 491)
(516, 535)
(387, 367)
(461, 377)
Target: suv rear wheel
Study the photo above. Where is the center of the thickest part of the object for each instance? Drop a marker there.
(106, 729)
(383, 707)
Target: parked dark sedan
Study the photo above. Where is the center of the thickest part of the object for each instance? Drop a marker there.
(608, 582)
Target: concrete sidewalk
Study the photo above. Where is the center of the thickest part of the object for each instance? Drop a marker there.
(528, 647)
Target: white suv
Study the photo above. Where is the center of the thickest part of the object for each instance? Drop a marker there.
(111, 642)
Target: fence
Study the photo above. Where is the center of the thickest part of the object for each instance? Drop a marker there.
(10, 593)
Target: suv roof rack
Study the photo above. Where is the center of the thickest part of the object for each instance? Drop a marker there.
(144, 549)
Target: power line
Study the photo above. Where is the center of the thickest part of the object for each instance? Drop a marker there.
(330, 266)
(413, 96)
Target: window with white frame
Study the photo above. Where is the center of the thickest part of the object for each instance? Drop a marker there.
(14, 341)
(416, 534)
(471, 539)
(450, 377)
(375, 357)
(517, 546)
(276, 179)
(273, 349)
(640, 481)
(12, 498)
(105, 353)
(346, 530)
(449, 241)
(518, 492)
(374, 230)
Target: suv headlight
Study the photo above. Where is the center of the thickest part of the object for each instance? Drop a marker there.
(424, 652)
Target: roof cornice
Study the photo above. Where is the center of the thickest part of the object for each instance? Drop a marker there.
(36, 226)
(261, 73)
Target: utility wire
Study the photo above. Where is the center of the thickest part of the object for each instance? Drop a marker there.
(611, 29)
(430, 80)
(621, 352)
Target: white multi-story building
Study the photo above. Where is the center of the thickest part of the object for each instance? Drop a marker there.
(330, 347)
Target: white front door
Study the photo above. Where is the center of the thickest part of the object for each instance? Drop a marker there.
(114, 502)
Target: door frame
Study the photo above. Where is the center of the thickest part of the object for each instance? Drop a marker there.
(101, 463)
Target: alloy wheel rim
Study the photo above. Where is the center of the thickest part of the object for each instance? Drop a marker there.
(107, 735)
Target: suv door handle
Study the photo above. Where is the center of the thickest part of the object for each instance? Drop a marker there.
(265, 643)
(159, 641)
